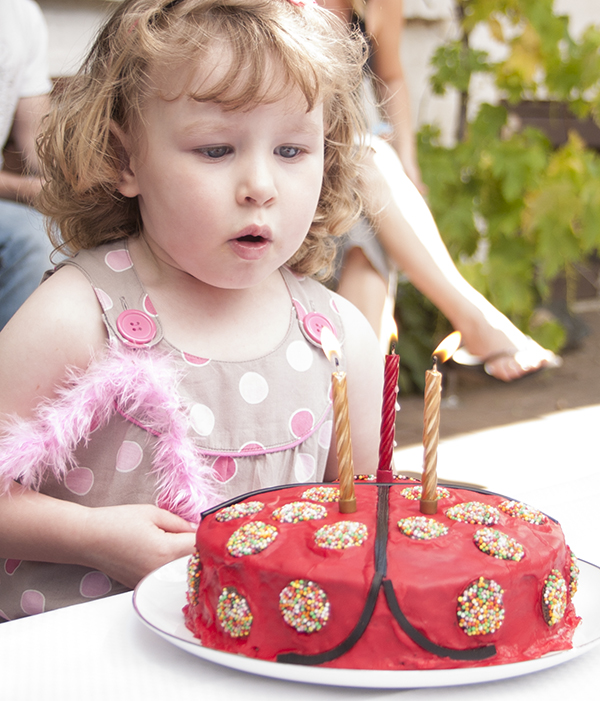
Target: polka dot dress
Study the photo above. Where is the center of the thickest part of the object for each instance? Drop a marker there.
(258, 423)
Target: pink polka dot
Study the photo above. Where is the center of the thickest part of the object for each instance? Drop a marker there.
(301, 423)
(194, 359)
(304, 467)
(118, 260)
(129, 456)
(79, 480)
(105, 301)
(32, 602)
(148, 307)
(252, 447)
(224, 468)
(94, 584)
(3, 615)
(334, 305)
(300, 310)
(10, 566)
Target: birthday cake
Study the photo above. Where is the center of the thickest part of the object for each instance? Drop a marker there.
(282, 575)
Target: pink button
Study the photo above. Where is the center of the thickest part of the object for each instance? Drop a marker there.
(314, 323)
(136, 326)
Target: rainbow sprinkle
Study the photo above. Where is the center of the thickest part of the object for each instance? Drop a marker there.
(304, 606)
(474, 512)
(481, 607)
(573, 576)
(324, 495)
(194, 569)
(299, 511)
(338, 536)
(251, 538)
(522, 511)
(497, 544)
(554, 598)
(234, 613)
(238, 510)
(422, 528)
(414, 493)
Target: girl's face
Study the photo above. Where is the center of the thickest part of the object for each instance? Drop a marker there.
(226, 196)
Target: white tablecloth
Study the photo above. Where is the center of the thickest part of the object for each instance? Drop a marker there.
(101, 650)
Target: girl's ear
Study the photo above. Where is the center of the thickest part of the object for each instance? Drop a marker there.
(127, 184)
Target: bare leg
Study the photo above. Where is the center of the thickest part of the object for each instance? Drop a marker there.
(362, 285)
(408, 233)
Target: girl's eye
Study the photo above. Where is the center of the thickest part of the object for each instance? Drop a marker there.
(215, 151)
(288, 151)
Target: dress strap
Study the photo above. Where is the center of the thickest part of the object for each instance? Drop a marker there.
(127, 310)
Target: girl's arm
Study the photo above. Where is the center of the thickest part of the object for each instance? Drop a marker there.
(59, 326)
(125, 542)
(364, 372)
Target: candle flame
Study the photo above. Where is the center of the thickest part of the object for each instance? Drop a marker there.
(447, 347)
(330, 344)
(390, 332)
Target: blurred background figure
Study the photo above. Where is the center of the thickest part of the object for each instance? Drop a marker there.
(24, 89)
(400, 233)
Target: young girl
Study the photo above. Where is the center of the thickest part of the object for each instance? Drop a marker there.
(197, 168)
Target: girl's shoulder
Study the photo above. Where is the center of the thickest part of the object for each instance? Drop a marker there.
(59, 326)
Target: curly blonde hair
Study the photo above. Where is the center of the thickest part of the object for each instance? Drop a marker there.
(82, 157)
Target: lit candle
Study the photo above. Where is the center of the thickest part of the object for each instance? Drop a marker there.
(431, 423)
(388, 415)
(347, 503)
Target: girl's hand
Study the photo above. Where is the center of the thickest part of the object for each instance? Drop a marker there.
(128, 542)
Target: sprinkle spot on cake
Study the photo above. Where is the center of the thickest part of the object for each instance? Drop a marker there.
(522, 511)
(481, 608)
(422, 528)
(194, 570)
(304, 606)
(238, 510)
(298, 511)
(251, 538)
(554, 598)
(342, 535)
(474, 512)
(573, 576)
(414, 493)
(499, 545)
(234, 613)
(324, 495)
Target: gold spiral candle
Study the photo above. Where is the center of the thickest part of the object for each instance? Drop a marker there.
(431, 422)
(431, 436)
(343, 443)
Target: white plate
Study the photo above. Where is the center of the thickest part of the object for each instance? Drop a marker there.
(159, 598)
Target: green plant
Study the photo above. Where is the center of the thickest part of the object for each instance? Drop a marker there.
(514, 211)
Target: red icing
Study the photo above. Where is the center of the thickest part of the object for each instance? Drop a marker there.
(427, 576)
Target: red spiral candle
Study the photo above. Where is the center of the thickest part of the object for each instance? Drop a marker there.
(388, 417)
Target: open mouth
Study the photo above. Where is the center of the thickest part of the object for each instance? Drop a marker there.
(252, 239)
(252, 243)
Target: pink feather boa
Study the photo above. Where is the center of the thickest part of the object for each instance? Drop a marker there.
(135, 383)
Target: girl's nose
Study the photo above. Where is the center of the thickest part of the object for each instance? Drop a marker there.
(257, 184)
